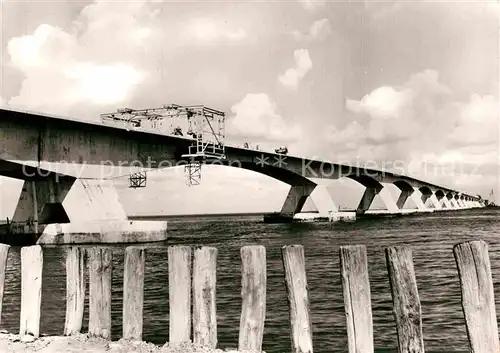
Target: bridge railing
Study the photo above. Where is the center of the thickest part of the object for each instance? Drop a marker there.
(192, 296)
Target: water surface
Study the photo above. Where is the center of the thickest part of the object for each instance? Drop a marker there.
(431, 237)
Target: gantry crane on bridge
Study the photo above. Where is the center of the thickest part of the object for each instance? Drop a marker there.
(204, 125)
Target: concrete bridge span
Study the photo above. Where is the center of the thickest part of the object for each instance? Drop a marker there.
(26, 136)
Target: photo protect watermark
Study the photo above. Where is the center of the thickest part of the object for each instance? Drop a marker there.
(306, 167)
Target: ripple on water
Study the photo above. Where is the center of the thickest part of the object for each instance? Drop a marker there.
(431, 237)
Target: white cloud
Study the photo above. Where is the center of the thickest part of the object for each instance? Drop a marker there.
(422, 126)
(312, 5)
(383, 103)
(102, 84)
(82, 65)
(256, 117)
(208, 30)
(479, 122)
(319, 30)
(303, 64)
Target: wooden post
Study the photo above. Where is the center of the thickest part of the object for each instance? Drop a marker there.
(4, 252)
(31, 292)
(253, 294)
(478, 302)
(133, 293)
(357, 300)
(407, 309)
(100, 267)
(179, 289)
(298, 299)
(204, 306)
(75, 290)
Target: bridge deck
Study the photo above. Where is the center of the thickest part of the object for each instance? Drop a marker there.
(31, 136)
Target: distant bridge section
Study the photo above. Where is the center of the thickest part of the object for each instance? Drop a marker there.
(26, 136)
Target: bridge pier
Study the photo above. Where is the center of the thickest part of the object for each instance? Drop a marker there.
(447, 204)
(454, 203)
(295, 200)
(67, 199)
(436, 201)
(369, 196)
(416, 196)
(63, 209)
(40, 203)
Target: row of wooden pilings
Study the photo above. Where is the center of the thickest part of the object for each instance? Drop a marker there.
(192, 283)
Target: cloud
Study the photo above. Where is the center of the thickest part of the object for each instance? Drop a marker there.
(479, 122)
(208, 30)
(256, 117)
(82, 65)
(312, 5)
(303, 64)
(424, 128)
(383, 103)
(319, 30)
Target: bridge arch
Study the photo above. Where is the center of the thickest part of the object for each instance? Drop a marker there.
(425, 190)
(366, 181)
(287, 176)
(440, 194)
(404, 186)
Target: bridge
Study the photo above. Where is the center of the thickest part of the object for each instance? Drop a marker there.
(29, 136)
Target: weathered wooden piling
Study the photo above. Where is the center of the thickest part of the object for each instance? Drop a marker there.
(4, 253)
(357, 298)
(253, 295)
(133, 293)
(478, 302)
(179, 290)
(75, 290)
(100, 267)
(406, 302)
(204, 305)
(31, 292)
(298, 298)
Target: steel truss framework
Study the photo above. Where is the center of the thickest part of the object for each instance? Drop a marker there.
(205, 126)
(138, 180)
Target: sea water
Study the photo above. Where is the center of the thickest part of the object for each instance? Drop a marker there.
(431, 237)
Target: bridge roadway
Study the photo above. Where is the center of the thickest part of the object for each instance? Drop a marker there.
(28, 136)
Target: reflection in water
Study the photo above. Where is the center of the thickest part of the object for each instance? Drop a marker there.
(430, 236)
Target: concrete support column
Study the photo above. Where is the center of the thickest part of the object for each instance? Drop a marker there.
(419, 199)
(454, 203)
(436, 202)
(403, 197)
(65, 200)
(323, 201)
(366, 200)
(93, 200)
(447, 203)
(369, 195)
(296, 198)
(40, 202)
(389, 201)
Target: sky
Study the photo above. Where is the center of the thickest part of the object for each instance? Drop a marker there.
(388, 84)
